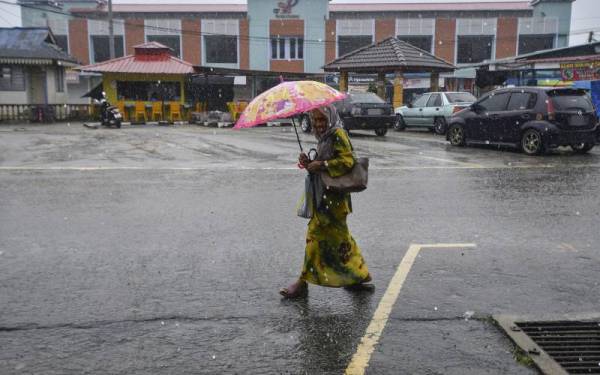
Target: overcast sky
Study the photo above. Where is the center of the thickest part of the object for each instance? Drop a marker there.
(586, 13)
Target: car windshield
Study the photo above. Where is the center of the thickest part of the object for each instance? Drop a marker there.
(366, 97)
(572, 102)
(460, 97)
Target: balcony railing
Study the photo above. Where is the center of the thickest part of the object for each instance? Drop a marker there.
(46, 113)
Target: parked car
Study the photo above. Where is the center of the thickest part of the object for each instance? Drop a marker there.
(432, 110)
(532, 118)
(361, 111)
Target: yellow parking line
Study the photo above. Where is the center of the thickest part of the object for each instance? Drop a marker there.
(361, 358)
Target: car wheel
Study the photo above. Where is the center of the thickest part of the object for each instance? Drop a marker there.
(399, 124)
(305, 124)
(439, 126)
(381, 132)
(456, 135)
(582, 148)
(532, 143)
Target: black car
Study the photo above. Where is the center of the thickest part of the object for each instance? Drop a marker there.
(532, 118)
(361, 111)
(366, 111)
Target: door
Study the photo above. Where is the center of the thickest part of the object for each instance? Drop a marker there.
(37, 86)
(432, 109)
(484, 126)
(414, 116)
(519, 111)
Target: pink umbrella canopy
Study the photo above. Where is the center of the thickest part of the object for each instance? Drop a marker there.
(285, 100)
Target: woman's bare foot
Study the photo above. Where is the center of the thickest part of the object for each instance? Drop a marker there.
(295, 290)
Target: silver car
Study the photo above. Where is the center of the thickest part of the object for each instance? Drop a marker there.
(432, 110)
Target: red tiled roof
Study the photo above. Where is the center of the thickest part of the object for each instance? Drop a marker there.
(146, 60)
(423, 7)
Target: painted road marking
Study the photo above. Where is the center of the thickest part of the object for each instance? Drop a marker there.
(361, 358)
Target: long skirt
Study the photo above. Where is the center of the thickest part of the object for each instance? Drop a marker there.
(332, 257)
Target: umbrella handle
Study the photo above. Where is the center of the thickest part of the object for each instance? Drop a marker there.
(297, 136)
(312, 154)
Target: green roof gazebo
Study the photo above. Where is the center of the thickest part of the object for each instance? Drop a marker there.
(389, 56)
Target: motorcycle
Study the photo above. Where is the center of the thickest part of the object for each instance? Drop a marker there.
(109, 114)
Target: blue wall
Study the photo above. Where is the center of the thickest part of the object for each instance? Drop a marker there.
(313, 12)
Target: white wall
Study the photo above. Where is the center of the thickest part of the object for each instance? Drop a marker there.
(13, 97)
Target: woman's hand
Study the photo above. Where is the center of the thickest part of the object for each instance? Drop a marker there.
(303, 160)
(315, 166)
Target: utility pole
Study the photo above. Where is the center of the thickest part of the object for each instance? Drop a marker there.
(111, 33)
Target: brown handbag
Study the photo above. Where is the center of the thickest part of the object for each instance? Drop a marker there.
(352, 182)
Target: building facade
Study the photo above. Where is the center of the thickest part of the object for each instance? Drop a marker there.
(301, 36)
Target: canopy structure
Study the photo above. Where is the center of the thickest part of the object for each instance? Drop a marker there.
(391, 55)
(149, 58)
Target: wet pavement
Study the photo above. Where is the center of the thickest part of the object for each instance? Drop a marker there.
(161, 250)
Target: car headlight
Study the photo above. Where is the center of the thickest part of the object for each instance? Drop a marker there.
(356, 111)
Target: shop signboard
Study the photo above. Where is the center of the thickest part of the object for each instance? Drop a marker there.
(580, 71)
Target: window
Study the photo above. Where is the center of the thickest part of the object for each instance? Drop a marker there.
(416, 31)
(434, 101)
(568, 101)
(353, 34)
(420, 101)
(148, 91)
(366, 97)
(349, 43)
(12, 78)
(287, 48)
(533, 43)
(98, 31)
(60, 79)
(63, 42)
(460, 97)
(100, 47)
(495, 102)
(419, 41)
(221, 49)
(520, 101)
(474, 49)
(171, 41)
(221, 39)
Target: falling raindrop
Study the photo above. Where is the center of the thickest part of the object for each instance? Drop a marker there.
(435, 308)
(214, 356)
(162, 323)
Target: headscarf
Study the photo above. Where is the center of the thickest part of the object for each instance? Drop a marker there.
(325, 146)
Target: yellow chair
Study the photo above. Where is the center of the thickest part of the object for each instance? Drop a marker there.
(121, 107)
(140, 111)
(175, 111)
(157, 110)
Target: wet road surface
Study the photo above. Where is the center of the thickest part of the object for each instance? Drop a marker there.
(161, 250)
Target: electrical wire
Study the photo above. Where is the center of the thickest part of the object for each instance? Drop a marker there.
(249, 38)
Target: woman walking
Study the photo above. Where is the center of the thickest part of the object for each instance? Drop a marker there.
(332, 257)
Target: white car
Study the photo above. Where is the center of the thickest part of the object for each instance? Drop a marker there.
(432, 110)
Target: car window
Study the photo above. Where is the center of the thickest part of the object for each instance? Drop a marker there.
(520, 101)
(435, 100)
(421, 101)
(366, 97)
(460, 97)
(572, 102)
(494, 102)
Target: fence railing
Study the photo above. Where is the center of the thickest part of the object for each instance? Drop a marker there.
(46, 112)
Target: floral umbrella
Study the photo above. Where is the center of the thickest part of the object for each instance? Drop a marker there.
(286, 100)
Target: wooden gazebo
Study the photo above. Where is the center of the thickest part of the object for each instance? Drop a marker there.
(389, 56)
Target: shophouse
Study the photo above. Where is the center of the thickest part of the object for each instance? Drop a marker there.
(301, 36)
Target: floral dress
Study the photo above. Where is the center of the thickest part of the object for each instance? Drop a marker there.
(332, 257)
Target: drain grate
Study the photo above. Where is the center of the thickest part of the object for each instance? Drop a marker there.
(562, 346)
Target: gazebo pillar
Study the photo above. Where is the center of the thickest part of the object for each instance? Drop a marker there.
(435, 82)
(398, 90)
(344, 81)
(381, 85)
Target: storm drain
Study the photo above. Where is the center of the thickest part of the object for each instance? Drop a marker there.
(563, 346)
